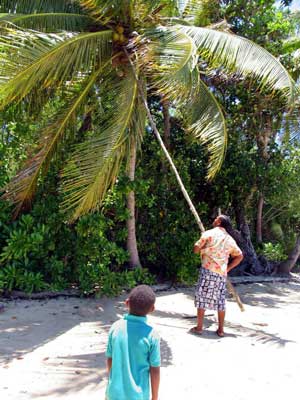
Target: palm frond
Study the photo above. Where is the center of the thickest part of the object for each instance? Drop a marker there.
(136, 130)
(243, 56)
(38, 6)
(95, 164)
(125, 12)
(181, 5)
(189, 8)
(31, 60)
(169, 61)
(21, 189)
(205, 122)
(137, 124)
(290, 130)
(160, 8)
(146, 10)
(49, 22)
(108, 10)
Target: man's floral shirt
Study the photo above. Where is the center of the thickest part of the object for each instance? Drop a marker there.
(216, 246)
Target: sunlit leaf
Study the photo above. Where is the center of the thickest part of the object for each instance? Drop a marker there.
(49, 22)
(31, 60)
(238, 54)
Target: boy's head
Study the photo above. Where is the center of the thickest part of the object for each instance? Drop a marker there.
(141, 300)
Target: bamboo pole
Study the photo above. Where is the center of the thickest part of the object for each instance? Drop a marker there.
(184, 192)
(230, 286)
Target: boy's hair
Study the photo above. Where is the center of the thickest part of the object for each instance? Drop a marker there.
(141, 299)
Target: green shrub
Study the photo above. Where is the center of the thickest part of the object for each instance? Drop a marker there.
(10, 277)
(93, 242)
(28, 243)
(273, 252)
(32, 282)
(101, 280)
(14, 277)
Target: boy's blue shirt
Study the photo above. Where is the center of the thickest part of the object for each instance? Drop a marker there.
(134, 346)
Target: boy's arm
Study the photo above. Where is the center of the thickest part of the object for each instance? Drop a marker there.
(155, 378)
(108, 364)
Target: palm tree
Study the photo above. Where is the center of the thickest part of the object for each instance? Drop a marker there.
(113, 52)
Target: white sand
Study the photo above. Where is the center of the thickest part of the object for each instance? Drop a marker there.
(54, 349)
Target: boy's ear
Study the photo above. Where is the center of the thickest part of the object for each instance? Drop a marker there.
(127, 302)
(152, 308)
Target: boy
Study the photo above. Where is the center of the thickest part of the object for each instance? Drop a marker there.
(133, 351)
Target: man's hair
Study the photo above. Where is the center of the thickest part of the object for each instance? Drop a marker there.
(226, 224)
(225, 221)
(141, 299)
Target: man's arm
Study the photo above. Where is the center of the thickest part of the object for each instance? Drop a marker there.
(108, 364)
(197, 249)
(198, 246)
(234, 262)
(155, 379)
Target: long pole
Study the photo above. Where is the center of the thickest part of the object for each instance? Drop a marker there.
(184, 192)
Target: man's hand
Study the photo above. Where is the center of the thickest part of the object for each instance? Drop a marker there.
(234, 262)
(197, 249)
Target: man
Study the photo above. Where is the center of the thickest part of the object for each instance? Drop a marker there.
(215, 246)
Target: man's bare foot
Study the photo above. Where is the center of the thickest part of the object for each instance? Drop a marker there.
(220, 333)
(195, 331)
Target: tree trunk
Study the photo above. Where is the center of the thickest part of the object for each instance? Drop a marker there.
(166, 138)
(286, 266)
(259, 218)
(134, 260)
(263, 139)
(251, 264)
(167, 124)
(85, 126)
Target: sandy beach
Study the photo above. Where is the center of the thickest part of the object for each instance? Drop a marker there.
(55, 349)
